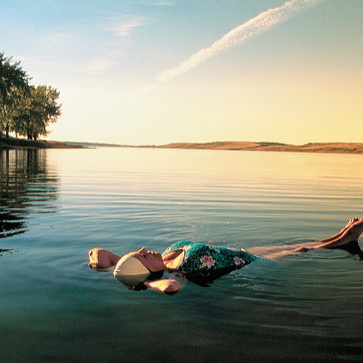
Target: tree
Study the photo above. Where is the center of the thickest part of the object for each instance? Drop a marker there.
(14, 84)
(37, 110)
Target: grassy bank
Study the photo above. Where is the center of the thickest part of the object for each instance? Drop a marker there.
(13, 143)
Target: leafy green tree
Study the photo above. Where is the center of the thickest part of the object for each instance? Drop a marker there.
(14, 84)
(37, 110)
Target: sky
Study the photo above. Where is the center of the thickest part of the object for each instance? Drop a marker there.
(154, 72)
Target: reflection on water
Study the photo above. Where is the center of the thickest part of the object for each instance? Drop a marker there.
(26, 186)
(54, 308)
(6, 250)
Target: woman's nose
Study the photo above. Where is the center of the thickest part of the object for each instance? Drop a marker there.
(142, 250)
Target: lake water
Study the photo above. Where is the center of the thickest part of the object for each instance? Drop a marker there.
(57, 204)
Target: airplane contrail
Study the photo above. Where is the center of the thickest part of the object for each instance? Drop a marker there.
(239, 34)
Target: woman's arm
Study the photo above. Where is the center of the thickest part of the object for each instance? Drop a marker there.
(167, 286)
(101, 258)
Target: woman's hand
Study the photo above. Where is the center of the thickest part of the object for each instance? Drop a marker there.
(101, 258)
(167, 286)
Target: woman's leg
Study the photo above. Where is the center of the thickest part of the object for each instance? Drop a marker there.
(351, 221)
(346, 239)
(349, 235)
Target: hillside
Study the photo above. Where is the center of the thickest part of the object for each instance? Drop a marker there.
(338, 147)
(335, 147)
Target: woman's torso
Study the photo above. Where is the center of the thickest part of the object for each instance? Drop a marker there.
(200, 257)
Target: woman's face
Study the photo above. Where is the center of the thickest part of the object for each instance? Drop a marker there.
(152, 260)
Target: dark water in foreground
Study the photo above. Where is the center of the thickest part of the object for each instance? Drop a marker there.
(57, 204)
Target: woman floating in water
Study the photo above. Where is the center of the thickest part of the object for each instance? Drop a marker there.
(197, 261)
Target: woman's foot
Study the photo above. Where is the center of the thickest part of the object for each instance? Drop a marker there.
(351, 221)
(355, 229)
(351, 234)
(339, 234)
(346, 239)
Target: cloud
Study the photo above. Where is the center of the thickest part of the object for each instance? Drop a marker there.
(163, 3)
(127, 25)
(251, 28)
(99, 64)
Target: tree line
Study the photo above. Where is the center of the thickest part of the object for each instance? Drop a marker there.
(25, 110)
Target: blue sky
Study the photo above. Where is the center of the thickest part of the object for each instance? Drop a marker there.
(298, 81)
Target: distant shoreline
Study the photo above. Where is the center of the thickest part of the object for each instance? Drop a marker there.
(13, 143)
(330, 147)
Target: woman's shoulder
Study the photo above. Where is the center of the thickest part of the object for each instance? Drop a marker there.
(179, 245)
(194, 246)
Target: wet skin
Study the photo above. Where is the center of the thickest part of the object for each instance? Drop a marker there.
(154, 261)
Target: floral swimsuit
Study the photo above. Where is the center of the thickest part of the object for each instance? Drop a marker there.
(200, 257)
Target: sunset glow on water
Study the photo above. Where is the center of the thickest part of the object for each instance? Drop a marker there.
(61, 203)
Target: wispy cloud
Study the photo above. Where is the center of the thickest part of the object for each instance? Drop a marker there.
(239, 34)
(99, 64)
(127, 25)
(163, 3)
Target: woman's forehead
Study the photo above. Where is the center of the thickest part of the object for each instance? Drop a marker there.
(132, 254)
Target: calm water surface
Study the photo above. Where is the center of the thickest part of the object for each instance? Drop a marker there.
(57, 204)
